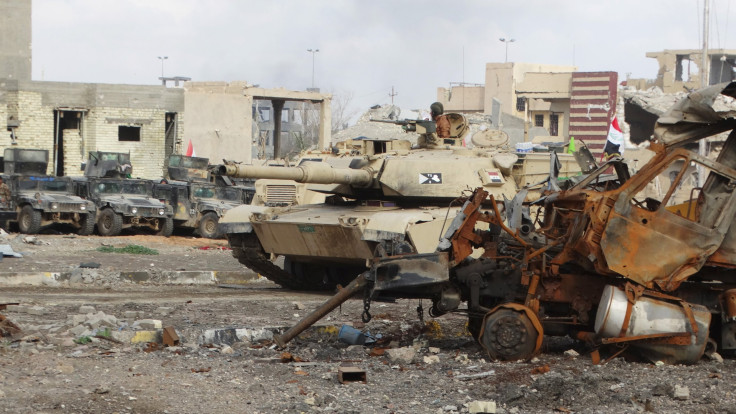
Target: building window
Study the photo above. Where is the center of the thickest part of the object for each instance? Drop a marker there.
(520, 104)
(554, 121)
(539, 120)
(129, 133)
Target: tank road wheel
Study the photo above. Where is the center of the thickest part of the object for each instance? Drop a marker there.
(166, 226)
(110, 223)
(510, 334)
(86, 224)
(29, 220)
(208, 225)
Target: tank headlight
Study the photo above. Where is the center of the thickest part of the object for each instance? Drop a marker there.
(83, 207)
(54, 206)
(161, 212)
(133, 210)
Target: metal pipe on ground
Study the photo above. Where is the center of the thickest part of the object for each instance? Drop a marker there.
(358, 284)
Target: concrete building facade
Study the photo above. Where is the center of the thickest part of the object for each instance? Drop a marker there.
(680, 69)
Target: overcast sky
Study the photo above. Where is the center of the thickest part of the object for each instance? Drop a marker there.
(365, 47)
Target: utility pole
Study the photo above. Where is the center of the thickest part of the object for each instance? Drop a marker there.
(162, 58)
(313, 51)
(703, 144)
(507, 41)
(392, 94)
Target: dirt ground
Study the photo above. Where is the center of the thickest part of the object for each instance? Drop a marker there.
(53, 366)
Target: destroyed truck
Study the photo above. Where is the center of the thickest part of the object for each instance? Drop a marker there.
(122, 202)
(645, 262)
(41, 199)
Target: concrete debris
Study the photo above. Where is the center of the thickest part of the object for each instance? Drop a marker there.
(681, 393)
(572, 353)
(431, 359)
(148, 324)
(403, 355)
(86, 309)
(482, 407)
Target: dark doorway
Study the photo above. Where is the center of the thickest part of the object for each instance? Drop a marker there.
(171, 127)
(63, 119)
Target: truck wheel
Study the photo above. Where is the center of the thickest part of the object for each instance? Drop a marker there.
(110, 223)
(508, 335)
(166, 227)
(208, 225)
(29, 220)
(86, 224)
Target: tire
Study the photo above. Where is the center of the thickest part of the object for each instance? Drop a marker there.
(508, 335)
(208, 225)
(29, 220)
(166, 227)
(86, 224)
(109, 223)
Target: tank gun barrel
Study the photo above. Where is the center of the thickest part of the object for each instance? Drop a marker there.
(312, 173)
(342, 295)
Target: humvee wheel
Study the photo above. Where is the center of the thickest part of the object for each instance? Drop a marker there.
(110, 223)
(29, 220)
(208, 225)
(86, 224)
(510, 334)
(166, 227)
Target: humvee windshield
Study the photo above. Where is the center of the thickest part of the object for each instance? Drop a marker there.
(44, 184)
(121, 187)
(203, 192)
(228, 194)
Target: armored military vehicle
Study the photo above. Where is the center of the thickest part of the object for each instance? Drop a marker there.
(198, 202)
(383, 194)
(41, 199)
(122, 202)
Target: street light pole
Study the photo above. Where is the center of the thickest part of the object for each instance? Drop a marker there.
(313, 51)
(507, 41)
(162, 58)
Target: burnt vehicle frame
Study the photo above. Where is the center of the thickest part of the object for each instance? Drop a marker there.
(598, 261)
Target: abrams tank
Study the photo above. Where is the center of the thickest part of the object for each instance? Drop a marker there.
(383, 196)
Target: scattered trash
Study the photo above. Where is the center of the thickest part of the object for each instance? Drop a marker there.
(201, 370)
(352, 336)
(170, 337)
(475, 376)
(6, 250)
(31, 240)
(351, 374)
(89, 265)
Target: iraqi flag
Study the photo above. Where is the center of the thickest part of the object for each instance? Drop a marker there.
(615, 142)
(190, 150)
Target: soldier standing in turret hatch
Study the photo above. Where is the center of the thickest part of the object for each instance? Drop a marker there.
(441, 121)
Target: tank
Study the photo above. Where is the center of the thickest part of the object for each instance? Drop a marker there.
(382, 195)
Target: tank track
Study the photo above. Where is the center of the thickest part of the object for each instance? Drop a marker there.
(249, 252)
